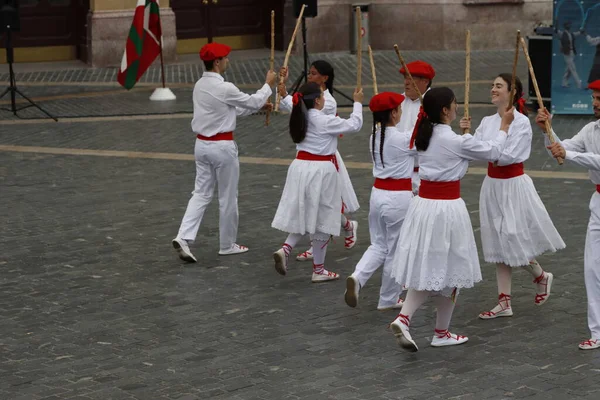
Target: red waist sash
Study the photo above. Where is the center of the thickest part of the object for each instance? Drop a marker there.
(218, 136)
(393, 184)
(506, 171)
(439, 190)
(305, 155)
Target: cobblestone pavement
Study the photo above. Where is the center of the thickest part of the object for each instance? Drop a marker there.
(96, 305)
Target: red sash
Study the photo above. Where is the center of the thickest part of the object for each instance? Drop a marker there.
(305, 155)
(506, 171)
(218, 136)
(598, 188)
(439, 190)
(393, 184)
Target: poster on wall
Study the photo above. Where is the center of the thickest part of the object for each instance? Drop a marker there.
(575, 55)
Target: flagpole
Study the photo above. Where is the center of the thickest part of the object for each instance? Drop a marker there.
(164, 93)
(162, 65)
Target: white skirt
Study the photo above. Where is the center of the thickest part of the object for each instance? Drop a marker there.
(348, 196)
(311, 200)
(515, 226)
(436, 250)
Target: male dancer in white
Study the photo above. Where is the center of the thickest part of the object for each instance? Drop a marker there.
(216, 105)
(393, 163)
(584, 150)
(423, 74)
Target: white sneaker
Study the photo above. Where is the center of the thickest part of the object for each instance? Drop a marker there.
(590, 344)
(234, 249)
(183, 250)
(352, 289)
(448, 339)
(306, 256)
(281, 261)
(324, 276)
(350, 239)
(397, 306)
(400, 329)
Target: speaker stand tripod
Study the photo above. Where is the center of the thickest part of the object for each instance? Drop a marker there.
(304, 74)
(12, 88)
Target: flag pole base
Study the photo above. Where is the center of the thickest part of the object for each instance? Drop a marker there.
(162, 94)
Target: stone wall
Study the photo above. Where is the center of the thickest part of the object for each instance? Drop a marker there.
(427, 24)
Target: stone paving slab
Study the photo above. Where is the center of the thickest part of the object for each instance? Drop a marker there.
(95, 303)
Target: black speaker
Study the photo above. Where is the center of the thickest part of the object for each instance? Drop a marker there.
(310, 11)
(540, 51)
(9, 15)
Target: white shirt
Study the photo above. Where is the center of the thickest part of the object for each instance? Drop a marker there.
(398, 159)
(410, 112)
(583, 149)
(323, 130)
(518, 143)
(217, 103)
(329, 108)
(448, 155)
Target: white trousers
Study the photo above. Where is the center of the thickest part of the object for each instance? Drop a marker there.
(387, 210)
(216, 162)
(570, 70)
(591, 267)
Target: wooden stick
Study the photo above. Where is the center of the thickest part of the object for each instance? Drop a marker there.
(467, 77)
(408, 72)
(373, 70)
(513, 80)
(271, 61)
(358, 48)
(539, 96)
(289, 50)
(513, 89)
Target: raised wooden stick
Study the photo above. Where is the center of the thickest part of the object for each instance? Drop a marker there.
(271, 61)
(513, 80)
(408, 72)
(513, 89)
(289, 50)
(358, 48)
(539, 96)
(467, 77)
(373, 70)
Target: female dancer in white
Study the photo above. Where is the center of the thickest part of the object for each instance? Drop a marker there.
(436, 253)
(515, 226)
(311, 200)
(393, 165)
(321, 72)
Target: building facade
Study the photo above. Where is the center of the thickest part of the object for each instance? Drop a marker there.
(95, 31)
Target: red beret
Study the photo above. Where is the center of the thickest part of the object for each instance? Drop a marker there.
(419, 68)
(212, 51)
(385, 101)
(595, 85)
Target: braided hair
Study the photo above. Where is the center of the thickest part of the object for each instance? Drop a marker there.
(303, 100)
(383, 118)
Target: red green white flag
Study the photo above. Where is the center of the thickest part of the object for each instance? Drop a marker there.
(143, 43)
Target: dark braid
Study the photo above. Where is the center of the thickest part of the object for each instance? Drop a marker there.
(373, 141)
(383, 118)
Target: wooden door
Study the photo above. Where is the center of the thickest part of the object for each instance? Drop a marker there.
(81, 23)
(191, 17)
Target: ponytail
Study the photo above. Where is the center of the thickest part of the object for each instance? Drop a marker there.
(303, 100)
(519, 100)
(430, 114)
